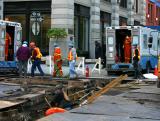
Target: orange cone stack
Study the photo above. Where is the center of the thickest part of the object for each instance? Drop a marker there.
(156, 71)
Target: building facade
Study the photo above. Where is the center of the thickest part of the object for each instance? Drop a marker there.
(152, 12)
(84, 19)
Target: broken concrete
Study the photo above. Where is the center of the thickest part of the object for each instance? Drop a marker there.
(123, 107)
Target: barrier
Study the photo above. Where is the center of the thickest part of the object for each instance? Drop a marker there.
(81, 65)
(98, 63)
(29, 65)
(50, 64)
(47, 60)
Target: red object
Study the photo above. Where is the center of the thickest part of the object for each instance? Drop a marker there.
(8, 42)
(57, 59)
(87, 71)
(152, 13)
(156, 71)
(54, 110)
(127, 49)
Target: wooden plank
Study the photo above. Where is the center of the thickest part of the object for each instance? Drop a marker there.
(106, 88)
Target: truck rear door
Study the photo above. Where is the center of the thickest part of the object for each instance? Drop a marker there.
(110, 46)
(2, 41)
(18, 38)
(135, 38)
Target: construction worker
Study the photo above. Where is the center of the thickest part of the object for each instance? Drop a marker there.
(57, 59)
(72, 56)
(60, 98)
(127, 49)
(136, 59)
(8, 42)
(36, 60)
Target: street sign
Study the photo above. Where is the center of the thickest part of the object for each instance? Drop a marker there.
(36, 16)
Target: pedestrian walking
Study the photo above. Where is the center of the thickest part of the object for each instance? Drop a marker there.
(57, 59)
(36, 60)
(136, 59)
(72, 56)
(23, 54)
(97, 50)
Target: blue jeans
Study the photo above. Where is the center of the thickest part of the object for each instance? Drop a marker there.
(72, 72)
(36, 63)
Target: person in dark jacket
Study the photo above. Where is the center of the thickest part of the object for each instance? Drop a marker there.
(97, 50)
(23, 54)
(136, 59)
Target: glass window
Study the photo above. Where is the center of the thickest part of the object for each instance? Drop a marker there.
(145, 46)
(123, 3)
(21, 18)
(2, 33)
(150, 13)
(122, 21)
(18, 36)
(38, 32)
(108, 0)
(81, 29)
(136, 6)
(110, 40)
(135, 40)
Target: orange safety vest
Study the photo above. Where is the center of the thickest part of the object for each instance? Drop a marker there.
(39, 54)
(138, 53)
(70, 55)
(57, 53)
(7, 43)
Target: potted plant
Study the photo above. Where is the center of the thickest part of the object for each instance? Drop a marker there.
(57, 33)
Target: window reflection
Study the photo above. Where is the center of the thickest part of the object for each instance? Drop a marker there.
(20, 18)
(41, 37)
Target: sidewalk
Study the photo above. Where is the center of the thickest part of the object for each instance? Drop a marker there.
(65, 69)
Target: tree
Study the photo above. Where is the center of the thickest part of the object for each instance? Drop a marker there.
(57, 33)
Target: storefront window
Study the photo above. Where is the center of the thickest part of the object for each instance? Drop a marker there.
(20, 18)
(122, 21)
(38, 32)
(21, 12)
(81, 29)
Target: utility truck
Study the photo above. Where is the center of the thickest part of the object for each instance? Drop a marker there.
(144, 38)
(10, 40)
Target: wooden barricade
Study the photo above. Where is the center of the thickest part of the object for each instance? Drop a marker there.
(105, 89)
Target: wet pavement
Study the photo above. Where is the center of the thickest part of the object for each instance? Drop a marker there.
(9, 89)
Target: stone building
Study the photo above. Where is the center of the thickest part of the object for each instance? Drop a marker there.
(84, 19)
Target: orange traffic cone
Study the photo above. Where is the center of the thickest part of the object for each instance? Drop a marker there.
(156, 71)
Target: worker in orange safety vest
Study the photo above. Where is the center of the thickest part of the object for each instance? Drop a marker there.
(36, 60)
(8, 42)
(127, 49)
(72, 56)
(136, 58)
(57, 59)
